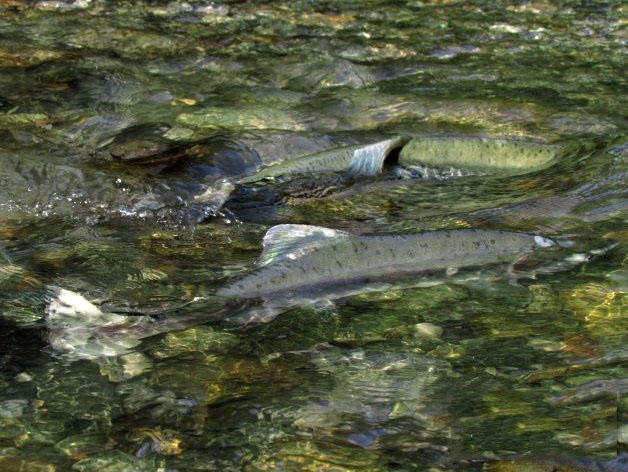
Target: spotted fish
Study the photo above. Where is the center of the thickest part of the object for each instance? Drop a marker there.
(300, 265)
(482, 154)
(303, 258)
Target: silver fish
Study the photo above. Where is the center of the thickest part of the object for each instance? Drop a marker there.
(355, 160)
(300, 265)
(302, 257)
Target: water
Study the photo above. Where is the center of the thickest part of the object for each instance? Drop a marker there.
(115, 117)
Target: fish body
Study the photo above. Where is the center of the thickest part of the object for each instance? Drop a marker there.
(356, 160)
(484, 154)
(300, 257)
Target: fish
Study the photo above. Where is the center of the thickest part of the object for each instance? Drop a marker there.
(303, 258)
(491, 155)
(300, 265)
(356, 160)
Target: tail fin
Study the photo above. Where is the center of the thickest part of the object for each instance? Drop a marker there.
(64, 303)
(68, 310)
(74, 327)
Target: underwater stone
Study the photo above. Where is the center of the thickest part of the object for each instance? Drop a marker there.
(428, 330)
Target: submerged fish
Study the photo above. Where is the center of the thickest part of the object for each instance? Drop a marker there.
(355, 160)
(306, 258)
(300, 266)
(484, 154)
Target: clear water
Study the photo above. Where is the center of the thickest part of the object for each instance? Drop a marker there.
(113, 115)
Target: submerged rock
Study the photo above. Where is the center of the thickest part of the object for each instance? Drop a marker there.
(140, 142)
(164, 442)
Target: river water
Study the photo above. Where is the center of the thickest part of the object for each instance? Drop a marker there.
(126, 125)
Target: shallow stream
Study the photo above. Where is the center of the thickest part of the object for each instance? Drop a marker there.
(131, 138)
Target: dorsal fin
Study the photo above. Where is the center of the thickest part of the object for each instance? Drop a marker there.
(292, 241)
(369, 160)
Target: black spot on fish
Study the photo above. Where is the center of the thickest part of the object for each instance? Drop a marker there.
(492, 241)
(378, 252)
(339, 264)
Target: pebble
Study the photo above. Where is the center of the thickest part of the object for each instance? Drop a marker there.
(428, 330)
